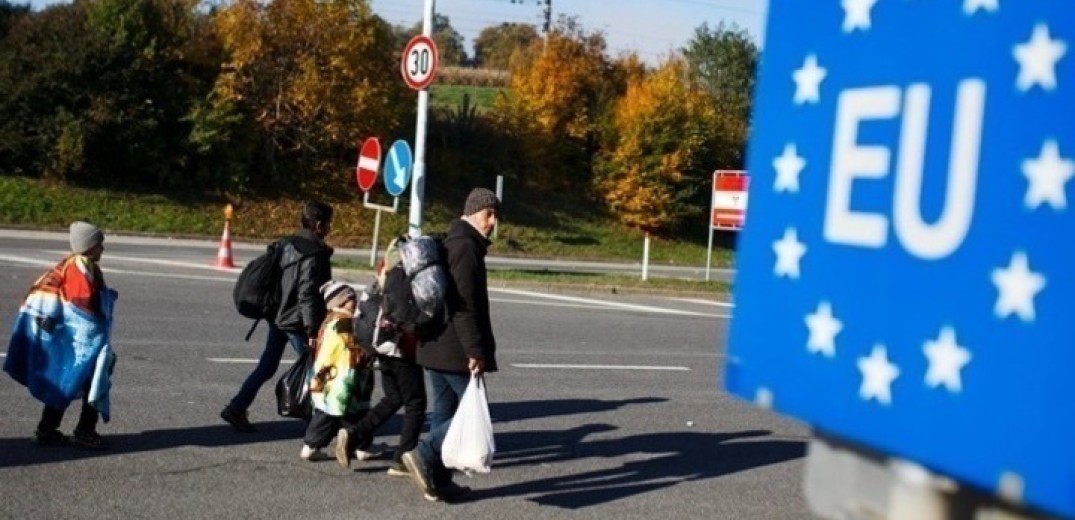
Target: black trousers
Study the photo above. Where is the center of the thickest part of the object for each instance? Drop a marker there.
(404, 387)
(87, 419)
(323, 427)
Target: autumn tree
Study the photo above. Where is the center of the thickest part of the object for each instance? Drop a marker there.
(558, 94)
(312, 75)
(722, 60)
(450, 44)
(496, 45)
(659, 152)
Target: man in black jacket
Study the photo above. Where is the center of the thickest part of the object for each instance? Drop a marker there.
(464, 347)
(306, 265)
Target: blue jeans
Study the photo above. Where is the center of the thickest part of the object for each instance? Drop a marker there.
(445, 390)
(267, 365)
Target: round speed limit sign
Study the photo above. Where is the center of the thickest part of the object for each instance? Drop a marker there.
(419, 62)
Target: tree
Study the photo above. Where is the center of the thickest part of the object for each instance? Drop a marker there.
(9, 14)
(450, 48)
(658, 156)
(496, 45)
(723, 60)
(558, 95)
(313, 76)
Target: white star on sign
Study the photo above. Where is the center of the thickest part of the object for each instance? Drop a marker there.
(808, 81)
(946, 360)
(788, 253)
(857, 14)
(1037, 59)
(823, 330)
(1017, 286)
(1048, 175)
(877, 376)
(972, 6)
(788, 167)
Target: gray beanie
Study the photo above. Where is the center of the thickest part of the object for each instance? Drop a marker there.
(85, 236)
(479, 199)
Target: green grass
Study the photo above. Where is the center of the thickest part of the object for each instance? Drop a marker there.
(449, 97)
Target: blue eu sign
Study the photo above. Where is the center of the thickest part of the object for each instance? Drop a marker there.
(397, 168)
(907, 273)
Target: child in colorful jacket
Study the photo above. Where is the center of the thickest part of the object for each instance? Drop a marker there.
(342, 382)
(60, 347)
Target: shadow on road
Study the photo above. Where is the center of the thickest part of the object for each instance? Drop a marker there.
(522, 410)
(20, 452)
(675, 457)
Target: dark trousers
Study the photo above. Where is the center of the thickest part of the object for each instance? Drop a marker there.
(445, 388)
(404, 387)
(87, 419)
(323, 428)
(267, 365)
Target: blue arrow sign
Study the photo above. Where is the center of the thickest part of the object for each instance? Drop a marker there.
(397, 168)
(905, 275)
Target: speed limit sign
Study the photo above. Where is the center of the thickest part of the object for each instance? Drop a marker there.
(419, 62)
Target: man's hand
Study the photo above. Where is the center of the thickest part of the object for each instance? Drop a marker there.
(476, 366)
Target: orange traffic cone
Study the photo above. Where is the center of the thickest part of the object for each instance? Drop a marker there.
(223, 256)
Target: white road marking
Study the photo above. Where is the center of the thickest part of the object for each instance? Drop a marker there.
(601, 367)
(242, 361)
(727, 305)
(617, 305)
(159, 261)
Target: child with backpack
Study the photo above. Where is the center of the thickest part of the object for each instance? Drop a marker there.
(342, 382)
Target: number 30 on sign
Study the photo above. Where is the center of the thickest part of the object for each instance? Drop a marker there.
(419, 62)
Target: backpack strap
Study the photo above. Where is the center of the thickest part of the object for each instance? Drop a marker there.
(251, 331)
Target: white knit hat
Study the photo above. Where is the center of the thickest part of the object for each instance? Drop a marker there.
(84, 236)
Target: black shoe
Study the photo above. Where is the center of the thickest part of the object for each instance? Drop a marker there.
(413, 461)
(237, 419)
(49, 438)
(89, 440)
(452, 492)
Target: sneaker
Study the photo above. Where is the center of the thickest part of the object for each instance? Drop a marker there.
(89, 440)
(367, 454)
(49, 438)
(398, 470)
(343, 455)
(237, 419)
(312, 454)
(416, 468)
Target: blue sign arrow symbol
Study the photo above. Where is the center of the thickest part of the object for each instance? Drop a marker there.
(397, 169)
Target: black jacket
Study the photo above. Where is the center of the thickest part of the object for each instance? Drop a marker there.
(306, 267)
(469, 331)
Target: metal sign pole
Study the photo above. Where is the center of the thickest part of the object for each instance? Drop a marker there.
(376, 234)
(418, 179)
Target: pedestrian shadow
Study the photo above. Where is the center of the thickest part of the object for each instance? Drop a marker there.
(676, 457)
(522, 410)
(19, 451)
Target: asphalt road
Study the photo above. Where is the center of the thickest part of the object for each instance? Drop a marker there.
(604, 408)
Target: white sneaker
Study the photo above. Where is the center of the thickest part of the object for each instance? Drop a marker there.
(311, 454)
(374, 452)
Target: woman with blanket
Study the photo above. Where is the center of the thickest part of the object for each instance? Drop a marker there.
(60, 347)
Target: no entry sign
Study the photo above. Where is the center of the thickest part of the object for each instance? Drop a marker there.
(369, 162)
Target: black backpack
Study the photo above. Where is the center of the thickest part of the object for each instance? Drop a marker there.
(257, 291)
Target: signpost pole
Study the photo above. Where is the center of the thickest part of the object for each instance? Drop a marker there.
(376, 234)
(645, 258)
(709, 251)
(418, 179)
(500, 197)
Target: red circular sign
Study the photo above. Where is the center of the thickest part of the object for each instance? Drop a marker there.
(419, 62)
(369, 163)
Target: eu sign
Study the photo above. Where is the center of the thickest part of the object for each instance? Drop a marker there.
(905, 279)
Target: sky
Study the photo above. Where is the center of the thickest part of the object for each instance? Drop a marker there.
(652, 28)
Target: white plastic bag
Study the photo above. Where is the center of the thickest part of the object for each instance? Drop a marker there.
(468, 445)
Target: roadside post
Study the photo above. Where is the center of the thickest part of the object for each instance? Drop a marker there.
(366, 171)
(500, 197)
(904, 286)
(418, 65)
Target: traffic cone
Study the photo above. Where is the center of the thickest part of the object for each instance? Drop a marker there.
(223, 256)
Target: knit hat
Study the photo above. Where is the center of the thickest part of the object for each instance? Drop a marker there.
(84, 236)
(479, 199)
(336, 294)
